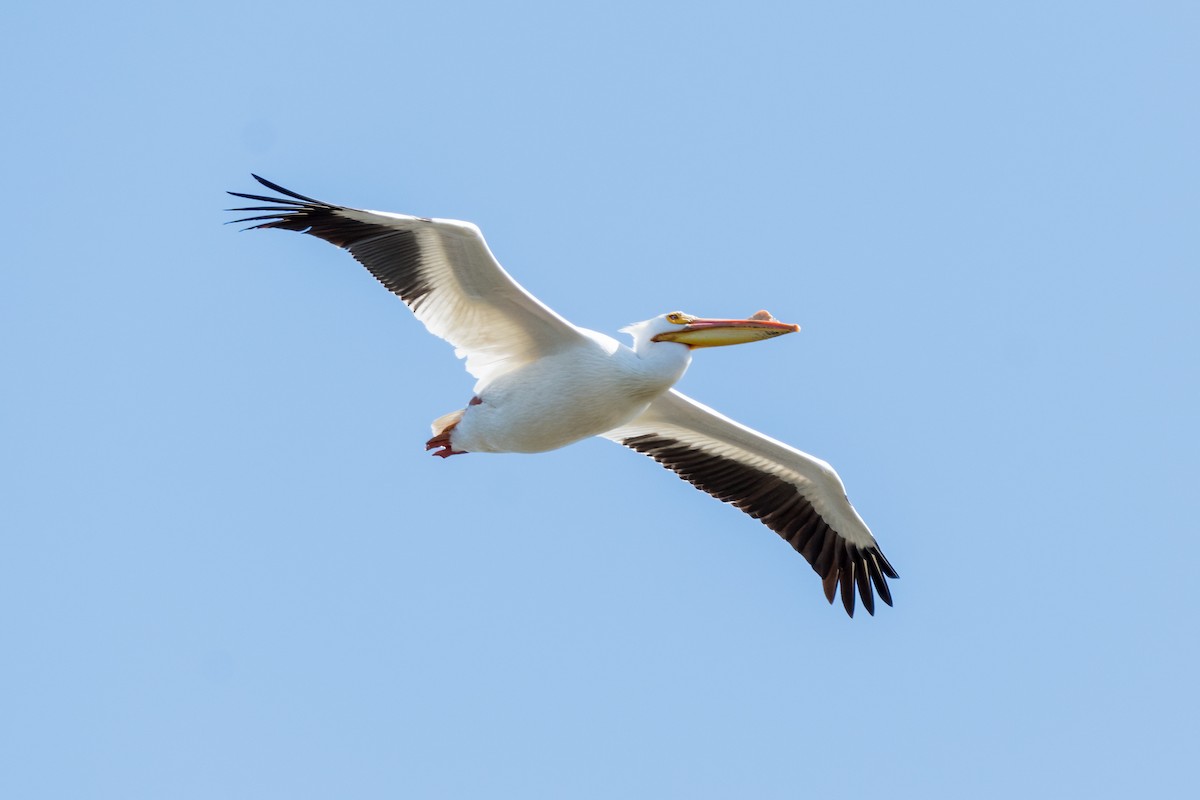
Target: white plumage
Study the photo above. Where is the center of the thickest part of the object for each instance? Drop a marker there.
(543, 383)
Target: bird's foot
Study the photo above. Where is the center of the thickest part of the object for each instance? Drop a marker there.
(440, 444)
(444, 425)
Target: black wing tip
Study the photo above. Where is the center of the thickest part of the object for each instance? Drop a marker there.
(863, 582)
(884, 565)
(262, 198)
(297, 212)
(829, 585)
(275, 187)
(836, 561)
(297, 199)
(855, 570)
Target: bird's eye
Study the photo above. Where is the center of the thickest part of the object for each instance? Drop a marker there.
(677, 317)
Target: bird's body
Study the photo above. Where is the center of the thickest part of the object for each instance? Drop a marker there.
(543, 383)
(592, 386)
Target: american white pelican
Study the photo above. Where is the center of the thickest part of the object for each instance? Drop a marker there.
(543, 383)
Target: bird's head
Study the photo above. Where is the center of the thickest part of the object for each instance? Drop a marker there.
(694, 332)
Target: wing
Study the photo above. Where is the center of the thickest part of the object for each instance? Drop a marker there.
(441, 268)
(799, 497)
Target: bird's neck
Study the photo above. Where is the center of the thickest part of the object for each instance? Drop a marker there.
(666, 361)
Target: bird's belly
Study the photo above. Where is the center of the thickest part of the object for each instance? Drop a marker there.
(544, 407)
(531, 429)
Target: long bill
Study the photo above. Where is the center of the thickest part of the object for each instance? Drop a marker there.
(699, 332)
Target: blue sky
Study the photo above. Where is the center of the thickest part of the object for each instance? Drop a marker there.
(229, 569)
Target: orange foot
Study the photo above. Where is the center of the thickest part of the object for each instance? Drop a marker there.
(442, 440)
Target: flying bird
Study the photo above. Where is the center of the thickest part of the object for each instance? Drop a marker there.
(543, 383)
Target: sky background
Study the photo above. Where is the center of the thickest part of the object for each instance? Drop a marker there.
(229, 569)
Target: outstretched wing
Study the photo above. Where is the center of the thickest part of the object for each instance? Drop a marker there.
(799, 497)
(441, 268)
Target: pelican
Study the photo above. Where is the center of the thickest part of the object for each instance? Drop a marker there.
(543, 383)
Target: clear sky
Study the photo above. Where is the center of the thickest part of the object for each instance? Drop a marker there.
(228, 569)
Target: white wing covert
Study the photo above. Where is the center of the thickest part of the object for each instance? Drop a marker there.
(799, 497)
(442, 269)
